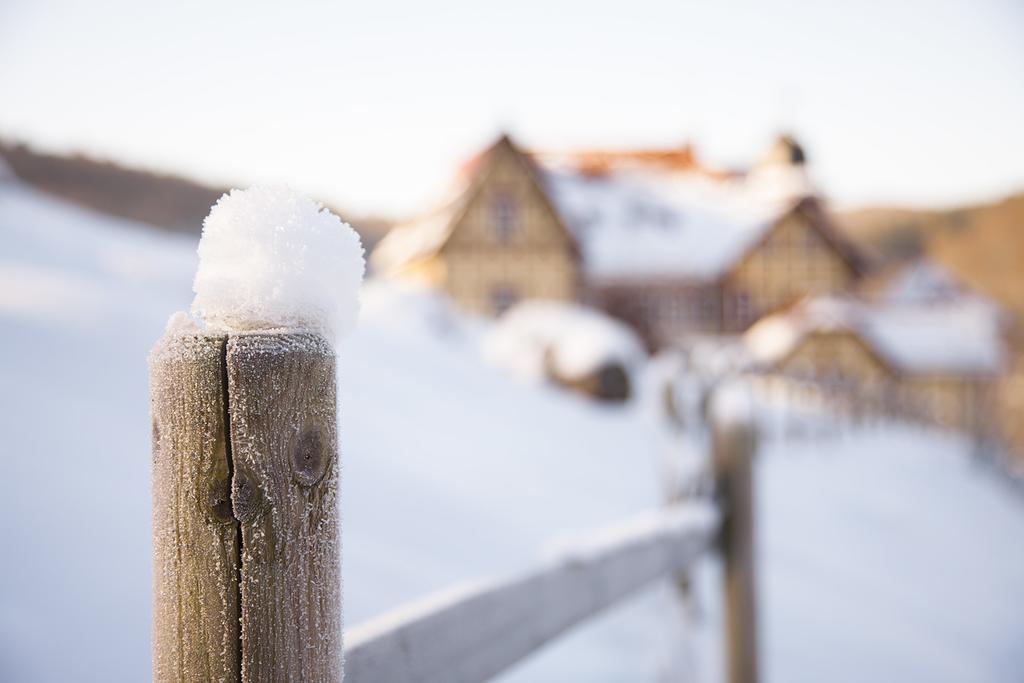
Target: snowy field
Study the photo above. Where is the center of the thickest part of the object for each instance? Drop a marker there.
(886, 555)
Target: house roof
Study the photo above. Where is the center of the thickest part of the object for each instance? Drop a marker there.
(417, 238)
(639, 221)
(961, 336)
(602, 161)
(637, 215)
(424, 235)
(921, 281)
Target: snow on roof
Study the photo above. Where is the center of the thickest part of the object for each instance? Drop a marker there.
(639, 222)
(423, 235)
(960, 336)
(408, 241)
(637, 218)
(922, 281)
(577, 340)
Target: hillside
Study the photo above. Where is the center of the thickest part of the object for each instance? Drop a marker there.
(167, 201)
(452, 471)
(989, 254)
(982, 244)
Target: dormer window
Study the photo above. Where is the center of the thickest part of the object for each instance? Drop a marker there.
(505, 217)
(503, 297)
(810, 239)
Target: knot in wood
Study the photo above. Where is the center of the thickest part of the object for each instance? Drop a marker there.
(246, 499)
(309, 456)
(218, 499)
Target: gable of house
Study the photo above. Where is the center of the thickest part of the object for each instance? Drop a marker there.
(962, 338)
(798, 256)
(499, 240)
(508, 243)
(838, 356)
(505, 209)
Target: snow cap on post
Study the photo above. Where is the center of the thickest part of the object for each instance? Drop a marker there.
(271, 258)
(732, 406)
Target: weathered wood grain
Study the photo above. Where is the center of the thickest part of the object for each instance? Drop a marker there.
(246, 541)
(195, 537)
(282, 410)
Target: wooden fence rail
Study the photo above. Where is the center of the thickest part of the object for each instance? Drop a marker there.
(246, 554)
(478, 632)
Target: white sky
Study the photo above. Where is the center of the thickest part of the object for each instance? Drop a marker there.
(370, 105)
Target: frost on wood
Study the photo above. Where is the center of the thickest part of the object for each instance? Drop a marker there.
(272, 258)
(246, 544)
(284, 449)
(195, 539)
(472, 634)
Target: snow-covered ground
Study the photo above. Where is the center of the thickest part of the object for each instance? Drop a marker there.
(885, 553)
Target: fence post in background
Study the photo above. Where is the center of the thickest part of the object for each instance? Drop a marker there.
(245, 529)
(733, 439)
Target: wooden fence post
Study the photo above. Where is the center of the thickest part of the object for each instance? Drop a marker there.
(733, 438)
(245, 529)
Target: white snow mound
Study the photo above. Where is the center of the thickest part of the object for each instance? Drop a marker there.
(270, 258)
(570, 339)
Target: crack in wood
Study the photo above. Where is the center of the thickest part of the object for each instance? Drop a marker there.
(228, 502)
(245, 527)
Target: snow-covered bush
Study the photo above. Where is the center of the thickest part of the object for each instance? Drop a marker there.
(577, 347)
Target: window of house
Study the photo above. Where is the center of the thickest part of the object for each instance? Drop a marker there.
(503, 297)
(810, 240)
(505, 216)
(678, 306)
(647, 308)
(743, 312)
(707, 306)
